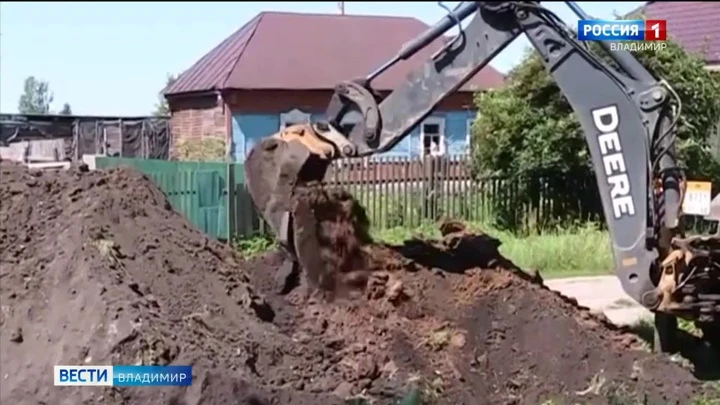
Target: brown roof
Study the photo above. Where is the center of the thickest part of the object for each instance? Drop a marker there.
(693, 24)
(292, 51)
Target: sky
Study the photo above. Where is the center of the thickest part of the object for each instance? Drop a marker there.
(112, 58)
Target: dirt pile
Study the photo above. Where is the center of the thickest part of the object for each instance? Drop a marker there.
(96, 268)
(455, 323)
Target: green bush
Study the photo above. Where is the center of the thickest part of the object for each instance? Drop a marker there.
(527, 130)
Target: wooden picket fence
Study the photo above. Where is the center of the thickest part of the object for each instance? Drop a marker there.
(395, 191)
(404, 191)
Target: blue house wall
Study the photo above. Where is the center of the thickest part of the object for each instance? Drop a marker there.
(249, 128)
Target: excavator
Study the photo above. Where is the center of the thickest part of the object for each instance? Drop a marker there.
(629, 119)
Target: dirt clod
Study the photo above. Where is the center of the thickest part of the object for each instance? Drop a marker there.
(331, 230)
(96, 268)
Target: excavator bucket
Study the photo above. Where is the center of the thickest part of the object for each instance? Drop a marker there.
(273, 169)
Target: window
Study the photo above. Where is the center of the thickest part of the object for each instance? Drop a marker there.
(349, 121)
(293, 117)
(432, 137)
(468, 136)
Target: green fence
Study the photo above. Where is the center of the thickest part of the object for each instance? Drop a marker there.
(395, 191)
(211, 196)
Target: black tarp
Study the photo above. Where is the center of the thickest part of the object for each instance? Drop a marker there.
(142, 137)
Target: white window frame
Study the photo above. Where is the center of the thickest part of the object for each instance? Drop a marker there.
(468, 135)
(440, 122)
(293, 117)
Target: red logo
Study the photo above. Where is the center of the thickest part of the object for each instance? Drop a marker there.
(655, 30)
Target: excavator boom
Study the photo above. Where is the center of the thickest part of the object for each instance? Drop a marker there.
(627, 115)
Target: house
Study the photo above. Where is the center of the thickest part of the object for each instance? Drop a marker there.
(692, 24)
(281, 68)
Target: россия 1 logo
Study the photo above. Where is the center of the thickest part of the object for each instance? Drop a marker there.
(651, 32)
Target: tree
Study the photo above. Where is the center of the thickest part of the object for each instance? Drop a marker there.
(36, 98)
(528, 130)
(162, 109)
(66, 110)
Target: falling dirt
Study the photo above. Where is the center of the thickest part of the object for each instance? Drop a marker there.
(96, 268)
(330, 231)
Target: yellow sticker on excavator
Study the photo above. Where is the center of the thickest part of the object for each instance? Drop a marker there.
(697, 198)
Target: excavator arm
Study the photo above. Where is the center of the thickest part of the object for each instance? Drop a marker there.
(628, 118)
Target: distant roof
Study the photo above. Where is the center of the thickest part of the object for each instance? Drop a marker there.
(293, 51)
(693, 24)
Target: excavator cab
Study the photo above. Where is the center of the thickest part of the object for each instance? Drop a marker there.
(628, 116)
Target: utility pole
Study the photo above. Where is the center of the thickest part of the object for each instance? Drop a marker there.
(341, 7)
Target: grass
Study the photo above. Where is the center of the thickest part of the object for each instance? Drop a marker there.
(253, 246)
(577, 251)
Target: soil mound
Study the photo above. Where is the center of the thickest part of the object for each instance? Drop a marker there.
(97, 269)
(453, 322)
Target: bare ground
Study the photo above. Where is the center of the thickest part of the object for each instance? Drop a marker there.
(97, 268)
